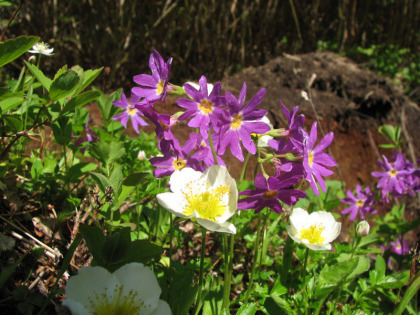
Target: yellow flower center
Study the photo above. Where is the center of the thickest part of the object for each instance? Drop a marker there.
(209, 204)
(311, 158)
(236, 121)
(269, 194)
(179, 163)
(116, 304)
(159, 87)
(313, 234)
(360, 203)
(131, 110)
(392, 172)
(206, 106)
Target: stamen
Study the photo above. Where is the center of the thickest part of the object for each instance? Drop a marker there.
(313, 234)
(206, 106)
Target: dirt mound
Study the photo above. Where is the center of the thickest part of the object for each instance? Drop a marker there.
(348, 100)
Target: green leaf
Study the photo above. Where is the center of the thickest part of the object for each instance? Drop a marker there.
(14, 48)
(76, 171)
(388, 131)
(336, 273)
(64, 85)
(395, 280)
(363, 265)
(412, 290)
(36, 169)
(283, 304)
(39, 75)
(79, 101)
(117, 151)
(10, 100)
(12, 123)
(134, 179)
(247, 309)
(102, 181)
(90, 76)
(212, 296)
(116, 247)
(380, 266)
(387, 146)
(116, 179)
(7, 272)
(95, 241)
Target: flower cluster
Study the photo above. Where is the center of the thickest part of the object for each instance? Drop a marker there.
(399, 177)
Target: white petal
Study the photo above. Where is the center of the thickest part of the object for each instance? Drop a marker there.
(88, 283)
(136, 277)
(173, 203)
(318, 246)
(181, 178)
(299, 218)
(225, 227)
(293, 233)
(162, 309)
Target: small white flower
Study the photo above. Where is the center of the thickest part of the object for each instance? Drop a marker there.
(263, 139)
(132, 289)
(363, 228)
(141, 155)
(316, 230)
(41, 48)
(211, 198)
(304, 95)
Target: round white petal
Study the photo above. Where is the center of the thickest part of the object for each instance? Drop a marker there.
(173, 202)
(88, 283)
(136, 277)
(181, 178)
(225, 227)
(299, 218)
(162, 309)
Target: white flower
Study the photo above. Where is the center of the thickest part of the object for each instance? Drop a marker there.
(211, 197)
(304, 95)
(141, 155)
(263, 139)
(363, 228)
(41, 48)
(316, 230)
(132, 289)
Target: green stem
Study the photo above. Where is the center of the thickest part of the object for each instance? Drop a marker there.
(213, 151)
(305, 294)
(255, 262)
(227, 284)
(200, 277)
(304, 264)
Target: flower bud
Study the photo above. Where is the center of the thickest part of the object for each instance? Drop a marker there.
(141, 155)
(363, 228)
(32, 60)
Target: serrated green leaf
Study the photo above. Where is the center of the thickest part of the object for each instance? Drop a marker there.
(117, 150)
(10, 100)
(102, 181)
(363, 265)
(95, 240)
(60, 72)
(76, 171)
(79, 101)
(380, 266)
(64, 85)
(14, 48)
(39, 75)
(247, 309)
(116, 179)
(395, 280)
(336, 273)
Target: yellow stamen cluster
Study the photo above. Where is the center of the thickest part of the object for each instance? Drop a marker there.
(236, 121)
(206, 106)
(360, 203)
(179, 163)
(208, 204)
(159, 87)
(131, 110)
(313, 234)
(269, 194)
(117, 303)
(392, 172)
(311, 158)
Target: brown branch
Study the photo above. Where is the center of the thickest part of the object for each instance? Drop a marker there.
(10, 20)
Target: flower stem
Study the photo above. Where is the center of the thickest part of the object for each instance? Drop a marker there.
(255, 261)
(213, 151)
(304, 264)
(200, 277)
(227, 284)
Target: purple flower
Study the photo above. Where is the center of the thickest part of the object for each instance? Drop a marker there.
(396, 179)
(240, 122)
(203, 108)
(295, 125)
(175, 158)
(163, 123)
(132, 109)
(314, 160)
(399, 247)
(269, 192)
(154, 87)
(197, 142)
(362, 202)
(87, 136)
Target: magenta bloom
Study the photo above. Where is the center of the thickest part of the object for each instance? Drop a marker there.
(196, 142)
(154, 87)
(176, 158)
(295, 125)
(314, 160)
(240, 122)
(398, 177)
(132, 109)
(399, 247)
(163, 123)
(269, 192)
(362, 202)
(88, 135)
(203, 108)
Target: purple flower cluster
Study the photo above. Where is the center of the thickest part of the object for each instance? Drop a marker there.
(362, 202)
(225, 121)
(399, 178)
